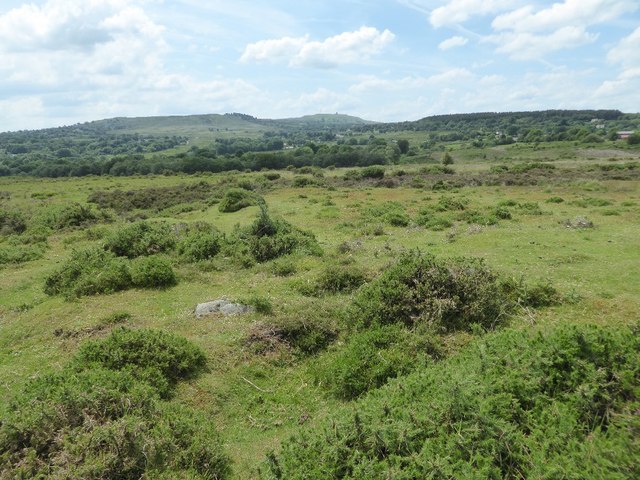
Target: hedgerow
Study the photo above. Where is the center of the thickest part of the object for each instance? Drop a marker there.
(512, 405)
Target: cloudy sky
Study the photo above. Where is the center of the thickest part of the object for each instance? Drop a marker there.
(69, 61)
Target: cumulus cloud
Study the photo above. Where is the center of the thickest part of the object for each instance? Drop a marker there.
(626, 84)
(345, 48)
(627, 51)
(525, 33)
(453, 42)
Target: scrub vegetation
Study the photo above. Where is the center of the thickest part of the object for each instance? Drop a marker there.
(428, 299)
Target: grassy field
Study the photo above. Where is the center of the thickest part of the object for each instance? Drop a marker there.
(577, 232)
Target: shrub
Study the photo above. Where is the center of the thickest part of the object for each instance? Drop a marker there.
(68, 216)
(372, 357)
(306, 332)
(200, 242)
(12, 223)
(511, 405)
(420, 289)
(268, 238)
(284, 267)
(554, 200)
(236, 199)
(102, 418)
(153, 356)
(337, 279)
(392, 213)
(15, 252)
(372, 172)
(152, 272)
(141, 238)
(428, 219)
(478, 218)
(89, 272)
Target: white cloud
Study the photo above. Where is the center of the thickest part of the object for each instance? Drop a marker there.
(453, 42)
(576, 13)
(525, 46)
(525, 33)
(459, 11)
(627, 51)
(345, 48)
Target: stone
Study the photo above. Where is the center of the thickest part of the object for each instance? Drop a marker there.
(222, 306)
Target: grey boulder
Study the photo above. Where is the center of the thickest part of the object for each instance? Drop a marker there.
(222, 306)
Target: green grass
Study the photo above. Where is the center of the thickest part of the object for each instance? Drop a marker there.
(258, 399)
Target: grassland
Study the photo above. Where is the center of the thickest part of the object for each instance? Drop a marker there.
(574, 227)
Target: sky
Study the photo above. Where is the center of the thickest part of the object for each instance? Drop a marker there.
(69, 61)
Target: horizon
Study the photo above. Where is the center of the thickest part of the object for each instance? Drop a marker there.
(392, 61)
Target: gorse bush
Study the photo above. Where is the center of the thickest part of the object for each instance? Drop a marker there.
(268, 238)
(340, 278)
(511, 405)
(152, 272)
(391, 213)
(67, 216)
(102, 416)
(372, 357)
(153, 356)
(12, 223)
(96, 271)
(236, 199)
(89, 272)
(420, 289)
(141, 238)
(200, 242)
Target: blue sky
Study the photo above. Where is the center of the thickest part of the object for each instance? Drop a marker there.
(69, 61)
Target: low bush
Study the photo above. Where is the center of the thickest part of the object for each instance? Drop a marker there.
(102, 416)
(268, 238)
(562, 404)
(153, 356)
(391, 213)
(236, 199)
(420, 289)
(340, 279)
(429, 219)
(89, 272)
(68, 216)
(152, 272)
(17, 252)
(141, 238)
(199, 242)
(12, 223)
(306, 332)
(372, 357)
(284, 267)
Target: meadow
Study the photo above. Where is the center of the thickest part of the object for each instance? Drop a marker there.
(354, 326)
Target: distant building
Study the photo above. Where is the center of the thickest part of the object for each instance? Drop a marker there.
(625, 134)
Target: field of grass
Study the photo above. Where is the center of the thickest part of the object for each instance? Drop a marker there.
(577, 233)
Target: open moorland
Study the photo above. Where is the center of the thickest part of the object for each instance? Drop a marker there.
(450, 298)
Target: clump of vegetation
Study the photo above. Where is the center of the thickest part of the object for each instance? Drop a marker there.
(12, 222)
(141, 238)
(152, 198)
(372, 357)
(89, 272)
(391, 213)
(103, 417)
(96, 271)
(269, 238)
(283, 267)
(511, 405)
(306, 332)
(15, 252)
(236, 199)
(158, 358)
(420, 289)
(72, 215)
(199, 242)
(152, 272)
(340, 279)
